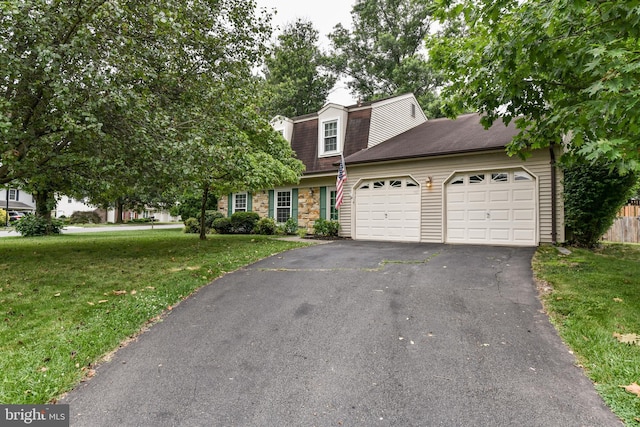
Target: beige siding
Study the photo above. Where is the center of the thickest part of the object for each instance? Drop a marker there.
(440, 169)
(393, 117)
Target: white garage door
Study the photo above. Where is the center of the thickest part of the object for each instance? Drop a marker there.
(494, 207)
(388, 209)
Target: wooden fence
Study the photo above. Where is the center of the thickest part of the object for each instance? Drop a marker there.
(626, 227)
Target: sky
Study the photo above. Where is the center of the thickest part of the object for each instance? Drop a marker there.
(324, 14)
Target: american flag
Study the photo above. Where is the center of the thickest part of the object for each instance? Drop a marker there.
(342, 177)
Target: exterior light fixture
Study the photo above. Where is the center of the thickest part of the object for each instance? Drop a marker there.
(429, 182)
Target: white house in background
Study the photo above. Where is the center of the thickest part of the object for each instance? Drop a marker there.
(14, 199)
(20, 200)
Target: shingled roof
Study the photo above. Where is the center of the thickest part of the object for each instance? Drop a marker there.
(439, 137)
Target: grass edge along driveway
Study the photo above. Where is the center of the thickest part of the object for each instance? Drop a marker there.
(593, 300)
(68, 300)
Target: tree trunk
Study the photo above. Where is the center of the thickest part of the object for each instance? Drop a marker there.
(44, 204)
(203, 209)
(118, 212)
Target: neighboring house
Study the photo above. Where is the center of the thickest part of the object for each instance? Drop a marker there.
(441, 181)
(319, 140)
(14, 199)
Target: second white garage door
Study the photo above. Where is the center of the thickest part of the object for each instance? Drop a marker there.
(492, 207)
(388, 209)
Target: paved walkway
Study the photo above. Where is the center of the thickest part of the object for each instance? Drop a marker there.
(352, 334)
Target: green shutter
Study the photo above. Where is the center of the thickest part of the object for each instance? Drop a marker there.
(271, 203)
(249, 202)
(294, 204)
(230, 205)
(323, 202)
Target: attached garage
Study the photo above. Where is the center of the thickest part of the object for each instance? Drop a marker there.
(388, 209)
(491, 207)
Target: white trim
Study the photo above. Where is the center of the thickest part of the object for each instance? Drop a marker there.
(321, 136)
(275, 202)
(234, 208)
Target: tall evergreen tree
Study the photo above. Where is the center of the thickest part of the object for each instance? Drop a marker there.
(296, 76)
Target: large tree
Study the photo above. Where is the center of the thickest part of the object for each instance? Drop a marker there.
(568, 72)
(296, 72)
(103, 98)
(383, 53)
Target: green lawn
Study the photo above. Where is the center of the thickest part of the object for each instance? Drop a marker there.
(66, 301)
(594, 295)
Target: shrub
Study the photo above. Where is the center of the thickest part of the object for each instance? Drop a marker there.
(209, 217)
(265, 226)
(324, 228)
(290, 227)
(222, 225)
(244, 222)
(3, 217)
(192, 226)
(85, 217)
(32, 225)
(593, 194)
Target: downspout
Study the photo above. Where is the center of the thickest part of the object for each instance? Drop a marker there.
(554, 213)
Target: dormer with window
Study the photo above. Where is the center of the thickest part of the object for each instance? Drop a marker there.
(284, 126)
(332, 126)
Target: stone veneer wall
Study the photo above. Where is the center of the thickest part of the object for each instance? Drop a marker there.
(308, 207)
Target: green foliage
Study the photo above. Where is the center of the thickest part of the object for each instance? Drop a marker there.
(33, 225)
(210, 217)
(295, 72)
(85, 217)
(593, 194)
(324, 228)
(383, 53)
(192, 226)
(3, 217)
(189, 205)
(244, 222)
(265, 226)
(290, 227)
(223, 226)
(568, 72)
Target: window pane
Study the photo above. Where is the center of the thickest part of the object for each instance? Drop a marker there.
(240, 203)
(411, 183)
(522, 176)
(378, 184)
(394, 183)
(500, 177)
(476, 179)
(283, 206)
(458, 180)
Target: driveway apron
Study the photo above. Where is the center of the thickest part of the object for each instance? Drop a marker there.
(352, 334)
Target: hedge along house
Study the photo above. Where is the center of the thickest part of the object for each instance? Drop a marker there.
(319, 140)
(451, 181)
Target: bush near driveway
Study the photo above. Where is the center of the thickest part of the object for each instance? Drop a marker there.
(594, 295)
(67, 300)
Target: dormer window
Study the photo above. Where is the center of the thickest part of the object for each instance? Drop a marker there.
(330, 136)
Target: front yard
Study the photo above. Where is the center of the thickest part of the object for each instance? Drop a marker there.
(67, 300)
(594, 302)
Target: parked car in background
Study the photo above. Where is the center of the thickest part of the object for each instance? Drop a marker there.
(15, 215)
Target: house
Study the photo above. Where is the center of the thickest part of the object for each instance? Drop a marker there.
(440, 180)
(319, 140)
(14, 199)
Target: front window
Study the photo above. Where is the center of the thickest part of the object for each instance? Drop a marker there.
(13, 195)
(283, 206)
(331, 136)
(240, 202)
(333, 215)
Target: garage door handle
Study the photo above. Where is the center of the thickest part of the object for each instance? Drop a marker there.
(488, 215)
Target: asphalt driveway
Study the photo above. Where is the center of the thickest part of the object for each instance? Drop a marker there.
(352, 334)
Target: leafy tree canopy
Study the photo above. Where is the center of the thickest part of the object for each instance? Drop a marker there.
(568, 72)
(383, 54)
(114, 99)
(296, 72)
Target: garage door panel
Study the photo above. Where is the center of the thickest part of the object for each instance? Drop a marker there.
(491, 211)
(388, 210)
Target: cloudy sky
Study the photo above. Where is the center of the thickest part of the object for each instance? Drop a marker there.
(324, 14)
